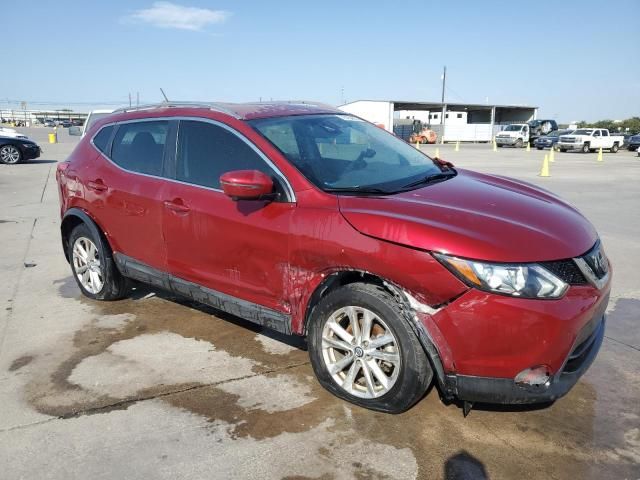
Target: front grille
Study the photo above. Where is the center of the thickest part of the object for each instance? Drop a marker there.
(567, 139)
(566, 270)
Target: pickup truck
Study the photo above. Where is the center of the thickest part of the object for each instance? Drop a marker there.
(589, 140)
(516, 135)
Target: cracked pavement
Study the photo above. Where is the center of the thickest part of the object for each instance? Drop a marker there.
(156, 386)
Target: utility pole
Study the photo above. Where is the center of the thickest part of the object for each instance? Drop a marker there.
(444, 108)
(129, 99)
(137, 99)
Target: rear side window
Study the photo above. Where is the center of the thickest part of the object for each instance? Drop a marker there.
(101, 140)
(139, 146)
(206, 151)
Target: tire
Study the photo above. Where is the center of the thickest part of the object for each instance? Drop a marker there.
(563, 150)
(499, 145)
(540, 148)
(103, 280)
(518, 143)
(10, 155)
(408, 372)
(585, 148)
(614, 149)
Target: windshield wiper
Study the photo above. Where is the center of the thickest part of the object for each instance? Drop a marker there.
(429, 179)
(357, 189)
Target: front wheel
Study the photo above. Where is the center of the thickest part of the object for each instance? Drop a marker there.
(539, 148)
(614, 149)
(363, 349)
(10, 154)
(585, 148)
(519, 143)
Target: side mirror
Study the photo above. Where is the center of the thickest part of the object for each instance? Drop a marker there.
(75, 131)
(247, 185)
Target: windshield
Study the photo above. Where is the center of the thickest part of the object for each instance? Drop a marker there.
(340, 152)
(583, 131)
(535, 123)
(513, 128)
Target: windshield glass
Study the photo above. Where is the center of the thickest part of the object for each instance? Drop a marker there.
(583, 131)
(513, 128)
(344, 152)
(535, 123)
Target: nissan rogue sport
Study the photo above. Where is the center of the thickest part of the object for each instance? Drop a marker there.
(399, 269)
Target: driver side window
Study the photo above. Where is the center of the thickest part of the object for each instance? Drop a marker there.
(206, 151)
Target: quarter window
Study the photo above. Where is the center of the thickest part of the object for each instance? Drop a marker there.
(206, 151)
(139, 146)
(101, 140)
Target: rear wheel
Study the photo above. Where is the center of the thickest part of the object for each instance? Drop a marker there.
(585, 148)
(93, 267)
(614, 149)
(9, 154)
(363, 350)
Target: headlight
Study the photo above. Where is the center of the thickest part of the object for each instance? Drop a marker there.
(526, 280)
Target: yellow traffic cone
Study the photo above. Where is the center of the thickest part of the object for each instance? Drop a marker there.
(437, 153)
(528, 147)
(552, 155)
(545, 167)
(495, 145)
(457, 146)
(418, 144)
(600, 154)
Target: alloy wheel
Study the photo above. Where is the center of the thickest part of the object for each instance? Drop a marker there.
(360, 352)
(9, 154)
(87, 266)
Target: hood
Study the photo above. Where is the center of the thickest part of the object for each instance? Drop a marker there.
(476, 216)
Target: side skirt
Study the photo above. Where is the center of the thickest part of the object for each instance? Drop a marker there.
(250, 311)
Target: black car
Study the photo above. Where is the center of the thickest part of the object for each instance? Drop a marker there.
(633, 142)
(65, 123)
(549, 140)
(16, 150)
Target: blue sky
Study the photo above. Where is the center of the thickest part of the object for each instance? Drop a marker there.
(578, 60)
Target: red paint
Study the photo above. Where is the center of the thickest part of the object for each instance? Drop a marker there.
(246, 184)
(276, 254)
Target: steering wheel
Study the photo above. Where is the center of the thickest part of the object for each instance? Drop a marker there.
(360, 162)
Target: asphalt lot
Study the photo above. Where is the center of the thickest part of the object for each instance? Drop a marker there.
(156, 387)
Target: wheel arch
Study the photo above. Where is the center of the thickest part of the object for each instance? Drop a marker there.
(71, 219)
(341, 278)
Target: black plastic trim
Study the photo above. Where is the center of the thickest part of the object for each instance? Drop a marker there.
(250, 311)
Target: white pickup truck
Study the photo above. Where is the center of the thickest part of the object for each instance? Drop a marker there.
(589, 140)
(516, 135)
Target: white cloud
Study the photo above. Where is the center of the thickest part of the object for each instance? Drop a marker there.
(170, 15)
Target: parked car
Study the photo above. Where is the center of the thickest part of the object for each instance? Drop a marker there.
(398, 268)
(549, 140)
(514, 135)
(15, 150)
(49, 123)
(10, 132)
(634, 142)
(93, 116)
(589, 140)
(65, 123)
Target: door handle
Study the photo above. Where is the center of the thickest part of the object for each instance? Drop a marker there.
(176, 205)
(97, 185)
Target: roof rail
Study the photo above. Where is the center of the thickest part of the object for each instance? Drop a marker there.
(210, 105)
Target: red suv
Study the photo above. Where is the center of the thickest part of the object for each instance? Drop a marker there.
(398, 268)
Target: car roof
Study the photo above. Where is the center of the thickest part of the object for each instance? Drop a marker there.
(245, 111)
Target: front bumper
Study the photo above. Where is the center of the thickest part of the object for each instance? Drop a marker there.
(506, 391)
(29, 153)
(569, 146)
(506, 140)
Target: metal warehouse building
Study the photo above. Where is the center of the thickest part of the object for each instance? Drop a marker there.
(464, 122)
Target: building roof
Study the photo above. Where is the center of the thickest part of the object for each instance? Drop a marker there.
(424, 105)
